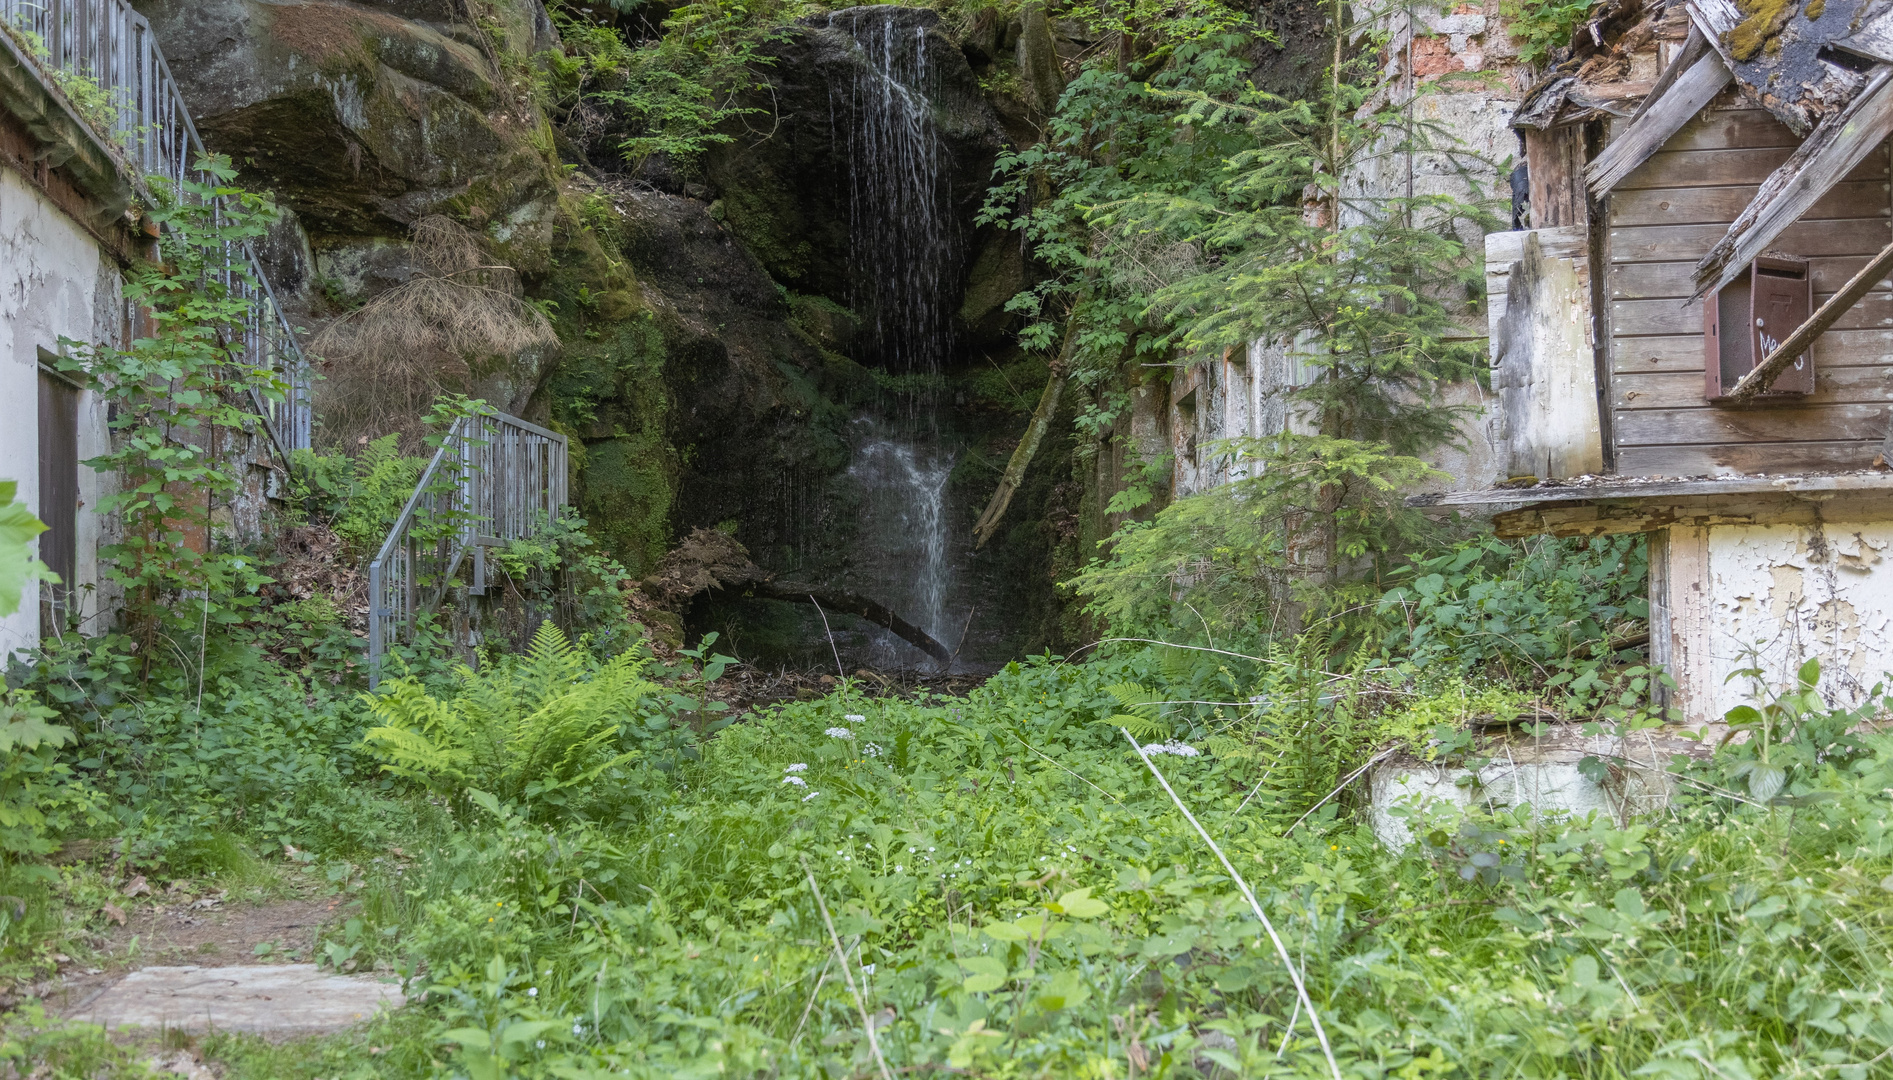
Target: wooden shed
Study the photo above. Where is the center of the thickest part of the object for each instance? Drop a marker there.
(1694, 339)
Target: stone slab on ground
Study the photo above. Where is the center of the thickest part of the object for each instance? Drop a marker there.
(263, 999)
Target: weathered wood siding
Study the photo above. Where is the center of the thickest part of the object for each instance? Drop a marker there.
(1665, 216)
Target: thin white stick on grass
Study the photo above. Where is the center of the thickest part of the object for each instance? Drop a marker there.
(810, 1007)
(1281, 950)
(1355, 775)
(860, 1003)
(1289, 1030)
(839, 670)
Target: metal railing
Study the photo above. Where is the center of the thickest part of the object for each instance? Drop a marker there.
(104, 59)
(495, 479)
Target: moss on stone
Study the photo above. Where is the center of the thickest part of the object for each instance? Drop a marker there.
(608, 392)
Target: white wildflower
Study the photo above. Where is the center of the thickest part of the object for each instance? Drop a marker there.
(871, 749)
(541, 1044)
(855, 718)
(800, 766)
(1172, 747)
(810, 795)
(534, 992)
(839, 733)
(578, 1029)
(796, 780)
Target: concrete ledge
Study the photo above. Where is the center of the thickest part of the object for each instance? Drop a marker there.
(1542, 773)
(262, 999)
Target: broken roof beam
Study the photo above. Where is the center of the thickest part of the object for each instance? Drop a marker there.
(1763, 375)
(1873, 40)
(1688, 85)
(1838, 144)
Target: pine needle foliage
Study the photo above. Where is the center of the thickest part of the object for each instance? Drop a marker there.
(538, 732)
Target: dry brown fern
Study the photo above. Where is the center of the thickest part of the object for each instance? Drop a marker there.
(456, 318)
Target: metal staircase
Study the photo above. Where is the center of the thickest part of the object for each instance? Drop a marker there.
(146, 124)
(495, 479)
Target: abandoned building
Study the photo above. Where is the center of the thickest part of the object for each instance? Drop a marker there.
(72, 188)
(1693, 339)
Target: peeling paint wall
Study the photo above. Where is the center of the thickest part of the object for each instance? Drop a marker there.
(54, 282)
(1770, 597)
(1457, 72)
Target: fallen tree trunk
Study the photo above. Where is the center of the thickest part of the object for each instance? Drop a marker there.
(709, 560)
(1022, 455)
(795, 592)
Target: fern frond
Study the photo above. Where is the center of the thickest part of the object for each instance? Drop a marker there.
(1133, 698)
(1138, 726)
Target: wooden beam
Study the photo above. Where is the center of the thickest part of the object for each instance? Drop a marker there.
(1874, 40)
(1797, 343)
(1687, 87)
(1829, 153)
(1554, 166)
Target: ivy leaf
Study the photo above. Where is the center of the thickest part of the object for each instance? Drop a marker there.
(17, 565)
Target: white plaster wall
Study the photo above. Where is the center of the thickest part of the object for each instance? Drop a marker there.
(1778, 595)
(54, 282)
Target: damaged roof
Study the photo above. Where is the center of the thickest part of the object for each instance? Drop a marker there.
(1802, 60)
(1824, 68)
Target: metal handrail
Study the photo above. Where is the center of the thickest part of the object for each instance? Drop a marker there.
(146, 124)
(495, 479)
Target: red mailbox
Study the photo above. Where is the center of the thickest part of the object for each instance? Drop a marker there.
(1751, 315)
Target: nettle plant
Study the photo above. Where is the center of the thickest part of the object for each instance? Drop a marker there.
(173, 395)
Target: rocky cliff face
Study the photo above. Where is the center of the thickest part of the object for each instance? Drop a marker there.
(709, 366)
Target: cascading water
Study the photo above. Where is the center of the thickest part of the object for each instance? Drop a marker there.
(901, 229)
(905, 558)
(904, 267)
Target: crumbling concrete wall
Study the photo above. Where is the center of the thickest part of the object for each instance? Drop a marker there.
(1768, 598)
(54, 283)
(1457, 75)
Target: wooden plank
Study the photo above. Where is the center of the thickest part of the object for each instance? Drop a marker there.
(1775, 423)
(1710, 168)
(1684, 352)
(1831, 151)
(1720, 205)
(1692, 620)
(1668, 243)
(1772, 458)
(1720, 129)
(1657, 281)
(1628, 489)
(1686, 87)
(1630, 318)
(1865, 384)
(1873, 40)
(1554, 164)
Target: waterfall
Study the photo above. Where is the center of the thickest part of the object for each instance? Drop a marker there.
(904, 559)
(904, 271)
(901, 229)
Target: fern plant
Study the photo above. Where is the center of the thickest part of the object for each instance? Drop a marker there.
(538, 731)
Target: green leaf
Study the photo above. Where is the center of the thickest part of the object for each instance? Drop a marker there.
(984, 974)
(1079, 904)
(472, 1038)
(1765, 781)
(1007, 931)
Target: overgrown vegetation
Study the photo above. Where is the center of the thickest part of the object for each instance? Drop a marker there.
(585, 856)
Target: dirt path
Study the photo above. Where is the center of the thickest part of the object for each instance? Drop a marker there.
(204, 931)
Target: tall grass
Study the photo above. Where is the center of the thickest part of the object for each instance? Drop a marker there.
(1019, 898)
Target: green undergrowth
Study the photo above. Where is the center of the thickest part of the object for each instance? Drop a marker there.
(1015, 895)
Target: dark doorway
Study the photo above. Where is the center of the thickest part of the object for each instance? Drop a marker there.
(58, 496)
